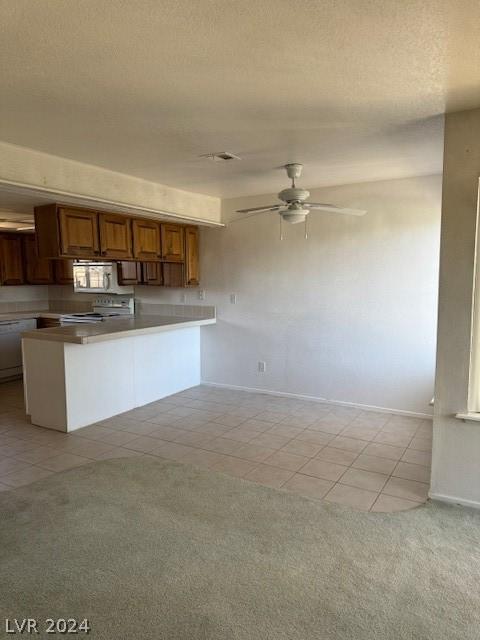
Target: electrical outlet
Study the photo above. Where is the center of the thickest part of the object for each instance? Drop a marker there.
(262, 366)
(233, 298)
(201, 294)
(183, 297)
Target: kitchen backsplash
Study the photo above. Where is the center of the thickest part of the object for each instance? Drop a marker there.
(148, 301)
(23, 298)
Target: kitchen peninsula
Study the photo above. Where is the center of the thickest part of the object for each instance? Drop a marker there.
(81, 374)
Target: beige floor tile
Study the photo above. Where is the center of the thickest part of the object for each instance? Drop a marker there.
(308, 486)
(364, 479)
(166, 433)
(4, 487)
(323, 469)
(63, 461)
(316, 437)
(171, 450)
(327, 427)
(417, 457)
(214, 428)
(339, 456)
(94, 432)
(230, 420)
(421, 444)
(235, 466)
(143, 443)
(396, 439)
(25, 476)
(241, 435)
(83, 447)
(359, 499)
(223, 445)
(203, 458)
(254, 452)
(285, 460)
(383, 451)
(302, 448)
(269, 476)
(118, 438)
(260, 426)
(360, 433)
(284, 430)
(119, 452)
(9, 465)
(412, 472)
(272, 416)
(270, 440)
(37, 454)
(194, 439)
(349, 444)
(299, 421)
(374, 463)
(408, 489)
(390, 504)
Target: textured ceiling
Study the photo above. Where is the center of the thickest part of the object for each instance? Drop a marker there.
(351, 88)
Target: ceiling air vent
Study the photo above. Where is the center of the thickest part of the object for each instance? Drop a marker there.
(220, 156)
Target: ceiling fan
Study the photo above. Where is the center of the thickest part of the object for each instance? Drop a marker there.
(294, 207)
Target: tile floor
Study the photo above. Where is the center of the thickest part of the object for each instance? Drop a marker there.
(369, 461)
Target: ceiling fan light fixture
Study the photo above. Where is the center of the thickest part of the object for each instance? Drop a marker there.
(294, 216)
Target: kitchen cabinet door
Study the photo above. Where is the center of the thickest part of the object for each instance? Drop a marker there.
(192, 277)
(152, 273)
(11, 260)
(146, 239)
(37, 270)
(173, 245)
(63, 271)
(129, 272)
(78, 232)
(173, 274)
(115, 236)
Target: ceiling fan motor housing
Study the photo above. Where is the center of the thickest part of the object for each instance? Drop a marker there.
(294, 194)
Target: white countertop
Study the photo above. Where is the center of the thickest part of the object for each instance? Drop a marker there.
(111, 329)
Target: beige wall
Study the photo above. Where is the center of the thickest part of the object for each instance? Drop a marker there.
(348, 315)
(456, 445)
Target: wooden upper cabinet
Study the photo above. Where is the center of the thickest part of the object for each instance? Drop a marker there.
(37, 270)
(63, 271)
(146, 239)
(115, 236)
(129, 272)
(192, 277)
(11, 260)
(173, 245)
(152, 273)
(78, 232)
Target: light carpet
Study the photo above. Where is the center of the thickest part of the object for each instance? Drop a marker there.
(146, 548)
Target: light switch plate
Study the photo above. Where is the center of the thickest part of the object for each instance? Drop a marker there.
(262, 366)
(233, 298)
(201, 294)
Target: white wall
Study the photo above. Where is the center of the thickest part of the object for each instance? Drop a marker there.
(456, 445)
(348, 315)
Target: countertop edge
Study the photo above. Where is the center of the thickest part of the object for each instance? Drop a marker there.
(114, 335)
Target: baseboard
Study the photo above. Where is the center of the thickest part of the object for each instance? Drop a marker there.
(339, 403)
(452, 500)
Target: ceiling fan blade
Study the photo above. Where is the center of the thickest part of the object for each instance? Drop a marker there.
(251, 214)
(272, 207)
(334, 209)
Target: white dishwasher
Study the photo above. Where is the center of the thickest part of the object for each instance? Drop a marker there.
(11, 346)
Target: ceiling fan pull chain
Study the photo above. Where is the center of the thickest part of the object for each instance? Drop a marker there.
(306, 230)
(281, 229)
